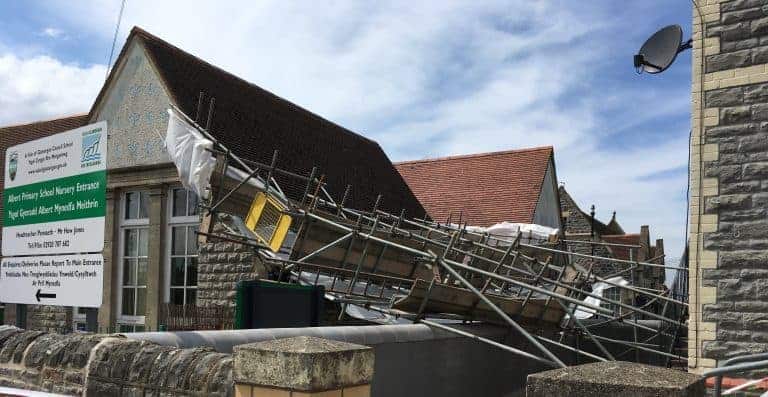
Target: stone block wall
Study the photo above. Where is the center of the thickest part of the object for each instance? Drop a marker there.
(221, 264)
(103, 365)
(49, 318)
(42, 318)
(729, 182)
(120, 367)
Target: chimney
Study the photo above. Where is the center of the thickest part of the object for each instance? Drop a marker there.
(659, 251)
(645, 244)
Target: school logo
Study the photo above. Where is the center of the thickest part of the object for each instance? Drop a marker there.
(13, 165)
(91, 146)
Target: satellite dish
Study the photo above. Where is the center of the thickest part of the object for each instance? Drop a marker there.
(660, 50)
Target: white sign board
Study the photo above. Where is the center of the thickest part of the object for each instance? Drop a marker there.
(54, 200)
(64, 280)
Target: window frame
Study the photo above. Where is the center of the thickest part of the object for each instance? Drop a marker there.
(124, 320)
(614, 294)
(171, 222)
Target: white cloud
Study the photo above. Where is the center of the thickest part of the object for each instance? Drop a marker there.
(41, 87)
(453, 77)
(52, 32)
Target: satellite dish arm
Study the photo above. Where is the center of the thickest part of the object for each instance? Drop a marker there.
(687, 45)
(640, 61)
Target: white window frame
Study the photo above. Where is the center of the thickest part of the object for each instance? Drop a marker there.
(171, 222)
(125, 224)
(614, 294)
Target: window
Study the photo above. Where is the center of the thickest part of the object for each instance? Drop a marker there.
(136, 206)
(612, 294)
(183, 225)
(134, 258)
(78, 319)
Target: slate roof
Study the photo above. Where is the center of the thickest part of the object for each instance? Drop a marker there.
(485, 188)
(253, 122)
(20, 133)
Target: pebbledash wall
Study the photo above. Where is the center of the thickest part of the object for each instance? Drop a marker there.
(729, 182)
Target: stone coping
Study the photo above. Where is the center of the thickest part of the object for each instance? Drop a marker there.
(304, 363)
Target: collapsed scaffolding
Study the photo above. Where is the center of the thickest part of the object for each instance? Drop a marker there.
(439, 274)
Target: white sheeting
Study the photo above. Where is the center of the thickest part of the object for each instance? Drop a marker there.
(190, 152)
(531, 233)
(598, 289)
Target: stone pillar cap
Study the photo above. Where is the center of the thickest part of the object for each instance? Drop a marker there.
(614, 378)
(303, 363)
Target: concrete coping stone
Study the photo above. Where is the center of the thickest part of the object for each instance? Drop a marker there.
(303, 363)
(614, 378)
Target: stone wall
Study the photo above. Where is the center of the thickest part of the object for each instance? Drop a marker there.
(102, 365)
(577, 226)
(49, 318)
(573, 220)
(40, 361)
(729, 182)
(43, 318)
(221, 264)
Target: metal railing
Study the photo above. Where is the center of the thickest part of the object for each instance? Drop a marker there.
(741, 364)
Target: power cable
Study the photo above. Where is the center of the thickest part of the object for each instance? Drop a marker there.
(114, 38)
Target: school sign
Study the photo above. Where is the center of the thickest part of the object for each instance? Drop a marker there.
(54, 203)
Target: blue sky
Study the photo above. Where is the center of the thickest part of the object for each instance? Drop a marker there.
(424, 80)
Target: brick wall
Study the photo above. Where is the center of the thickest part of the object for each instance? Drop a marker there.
(729, 182)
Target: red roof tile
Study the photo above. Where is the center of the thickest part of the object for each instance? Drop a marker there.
(20, 133)
(485, 188)
(622, 252)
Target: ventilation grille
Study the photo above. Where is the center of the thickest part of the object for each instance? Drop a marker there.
(268, 221)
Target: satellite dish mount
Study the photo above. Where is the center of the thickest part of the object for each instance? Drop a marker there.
(660, 50)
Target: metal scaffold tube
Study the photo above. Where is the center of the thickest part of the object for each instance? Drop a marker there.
(353, 253)
(503, 315)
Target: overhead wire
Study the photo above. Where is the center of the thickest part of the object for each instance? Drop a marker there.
(114, 38)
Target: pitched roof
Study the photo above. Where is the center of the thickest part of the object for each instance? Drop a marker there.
(20, 133)
(613, 226)
(253, 122)
(622, 252)
(485, 188)
(583, 225)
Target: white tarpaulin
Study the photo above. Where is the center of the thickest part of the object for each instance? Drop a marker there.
(190, 152)
(531, 233)
(598, 289)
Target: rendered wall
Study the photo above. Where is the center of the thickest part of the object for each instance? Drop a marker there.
(548, 208)
(134, 107)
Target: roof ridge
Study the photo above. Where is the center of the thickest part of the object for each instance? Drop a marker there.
(476, 155)
(622, 235)
(147, 35)
(23, 124)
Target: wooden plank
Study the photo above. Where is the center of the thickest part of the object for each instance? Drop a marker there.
(449, 299)
(394, 262)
